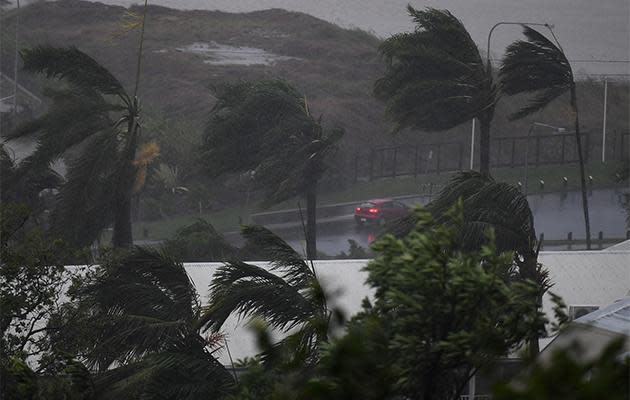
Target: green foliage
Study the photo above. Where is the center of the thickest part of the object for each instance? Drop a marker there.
(569, 376)
(32, 279)
(435, 78)
(17, 380)
(448, 313)
(199, 242)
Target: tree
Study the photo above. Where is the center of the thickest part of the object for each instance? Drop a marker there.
(143, 340)
(488, 204)
(266, 128)
(32, 279)
(199, 241)
(435, 78)
(571, 376)
(448, 312)
(439, 314)
(287, 296)
(25, 188)
(93, 111)
(539, 66)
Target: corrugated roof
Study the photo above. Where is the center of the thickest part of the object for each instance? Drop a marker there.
(587, 277)
(614, 318)
(624, 246)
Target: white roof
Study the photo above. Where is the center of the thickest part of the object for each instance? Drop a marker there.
(580, 278)
(595, 278)
(613, 318)
(624, 246)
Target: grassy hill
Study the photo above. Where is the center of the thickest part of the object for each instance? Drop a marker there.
(335, 67)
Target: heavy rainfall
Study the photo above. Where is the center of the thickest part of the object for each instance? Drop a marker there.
(326, 199)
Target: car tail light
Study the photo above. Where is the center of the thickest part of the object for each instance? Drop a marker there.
(358, 209)
(373, 210)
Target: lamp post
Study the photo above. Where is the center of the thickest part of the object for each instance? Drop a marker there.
(489, 72)
(529, 134)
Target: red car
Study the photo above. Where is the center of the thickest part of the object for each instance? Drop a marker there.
(380, 211)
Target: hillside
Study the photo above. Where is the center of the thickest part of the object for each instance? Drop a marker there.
(188, 52)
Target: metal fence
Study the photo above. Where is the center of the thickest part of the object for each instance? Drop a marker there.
(505, 151)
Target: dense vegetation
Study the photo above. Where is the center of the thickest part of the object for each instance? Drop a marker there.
(455, 287)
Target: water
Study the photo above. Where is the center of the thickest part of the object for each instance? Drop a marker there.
(588, 30)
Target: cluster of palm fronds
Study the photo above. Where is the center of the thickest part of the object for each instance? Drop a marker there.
(94, 114)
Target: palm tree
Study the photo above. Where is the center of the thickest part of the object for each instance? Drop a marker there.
(266, 128)
(540, 66)
(286, 295)
(145, 341)
(435, 78)
(498, 206)
(94, 114)
(16, 187)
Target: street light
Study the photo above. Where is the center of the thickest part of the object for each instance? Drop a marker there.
(489, 69)
(529, 134)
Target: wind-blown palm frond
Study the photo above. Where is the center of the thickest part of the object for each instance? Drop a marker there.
(487, 205)
(149, 345)
(24, 188)
(435, 78)
(184, 374)
(72, 65)
(85, 203)
(535, 65)
(150, 303)
(92, 109)
(286, 295)
(286, 147)
(283, 258)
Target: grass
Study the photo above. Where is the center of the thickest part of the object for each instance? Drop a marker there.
(229, 219)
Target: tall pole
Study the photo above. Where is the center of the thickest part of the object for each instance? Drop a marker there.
(529, 134)
(472, 145)
(15, 63)
(604, 121)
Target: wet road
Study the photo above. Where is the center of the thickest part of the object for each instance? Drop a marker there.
(555, 214)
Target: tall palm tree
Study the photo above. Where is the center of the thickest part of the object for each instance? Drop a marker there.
(94, 114)
(266, 128)
(145, 341)
(435, 78)
(286, 295)
(540, 66)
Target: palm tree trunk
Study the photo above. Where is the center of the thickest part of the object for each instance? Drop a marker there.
(311, 220)
(580, 152)
(122, 225)
(122, 236)
(484, 144)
